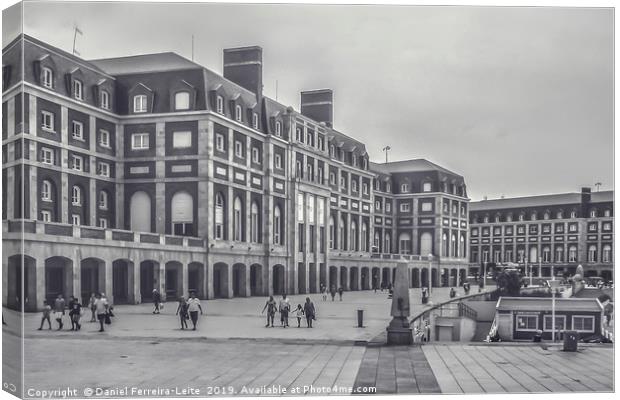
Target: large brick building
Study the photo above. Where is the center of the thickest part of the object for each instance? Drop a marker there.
(125, 174)
(560, 230)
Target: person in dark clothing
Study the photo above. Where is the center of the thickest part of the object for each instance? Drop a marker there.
(340, 291)
(332, 291)
(47, 310)
(270, 306)
(75, 311)
(156, 300)
(309, 311)
(452, 293)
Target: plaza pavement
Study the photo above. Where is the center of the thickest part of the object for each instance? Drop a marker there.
(233, 353)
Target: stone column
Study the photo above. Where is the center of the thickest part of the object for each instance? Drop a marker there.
(136, 287)
(64, 161)
(109, 275)
(246, 281)
(77, 273)
(209, 277)
(184, 279)
(10, 196)
(229, 283)
(10, 116)
(205, 203)
(162, 279)
(34, 193)
(119, 172)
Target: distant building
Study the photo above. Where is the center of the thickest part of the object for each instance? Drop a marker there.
(560, 230)
(518, 318)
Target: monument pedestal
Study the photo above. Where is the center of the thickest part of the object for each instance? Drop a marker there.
(399, 332)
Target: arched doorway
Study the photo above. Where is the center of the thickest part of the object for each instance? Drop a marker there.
(385, 277)
(140, 212)
(301, 277)
(434, 277)
(22, 283)
(376, 278)
(92, 278)
(333, 277)
(415, 278)
(123, 282)
(312, 278)
(239, 279)
(182, 214)
(220, 280)
(278, 279)
(365, 278)
(174, 280)
(353, 278)
(424, 277)
(149, 280)
(196, 278)
(462, 276)
(58, 278)
(344, 278)
(256, 280)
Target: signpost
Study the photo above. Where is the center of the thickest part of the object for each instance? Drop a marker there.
(553, 284)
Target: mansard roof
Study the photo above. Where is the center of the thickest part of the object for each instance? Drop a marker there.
(539, 201)
(416, 165)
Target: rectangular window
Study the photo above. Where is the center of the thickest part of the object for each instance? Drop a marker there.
(181, 139)
(365, 188)
(255, 155)
(255, 121)
(46, 216)
(48, 78)
(405, 207)
(527, 322)
(103, 169)
(572, 227)
(104, 138)
(139, 103)
(404, 188)
(219, 142)
(77, 90)
(560, 322)
(103, 223)
(139, 141)
(239, 149)
(77, 130)
(388, 207)
(278, 161)
(47, 156)
(583, 323)
(75, 219)
(220, 104)
(105, 100)
(426, 187)
(47, 121)
(76, 162)
(300, 233)
(427, 206)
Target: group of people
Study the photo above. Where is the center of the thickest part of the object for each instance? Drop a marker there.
(332, 292)
(306, 311)
(187, 309)
(100, 310)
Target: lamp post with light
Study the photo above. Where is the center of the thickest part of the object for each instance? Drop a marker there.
(430, 275)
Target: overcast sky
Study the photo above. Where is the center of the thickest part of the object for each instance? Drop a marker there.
(517, 100)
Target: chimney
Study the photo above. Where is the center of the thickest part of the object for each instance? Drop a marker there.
(586, 196)
(318, 105)
(244, 66)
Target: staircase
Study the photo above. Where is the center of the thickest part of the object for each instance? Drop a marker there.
(482, 331)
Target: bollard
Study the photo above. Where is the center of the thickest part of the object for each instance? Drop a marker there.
(360, 318)
(570, 340)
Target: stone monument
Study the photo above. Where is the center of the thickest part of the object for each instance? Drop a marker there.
(398, 331)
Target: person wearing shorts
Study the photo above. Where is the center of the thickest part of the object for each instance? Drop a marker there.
(193, 307)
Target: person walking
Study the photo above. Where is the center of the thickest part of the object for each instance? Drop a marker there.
(270, 306)
(101, 309)
(59, 310)
(332, 291)
(340, 291)
(47, 310)
(324, 292)
(299, 313)
(193, 307)
(75, 311)
(156, 300)
(182, 312)
(91, 305)
(285, 307)
(310, 312)
(452, 293)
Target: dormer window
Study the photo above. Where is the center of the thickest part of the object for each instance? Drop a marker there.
(332, 150)
(255, 120)
(238, 113)
(426, 187)
(404, 188)
(219, 106)
(78, 90)
(388, 187)
(354, 160)
(299, 133)
(278, 128)
(181, 101)
(593, 214)
(139, 103)
(319, 143)
(105, 100)
(48, 78)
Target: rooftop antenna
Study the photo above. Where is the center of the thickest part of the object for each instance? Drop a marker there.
(276, 90)
(598, 186)
(76, 30)
(386, 149)
(192, 47)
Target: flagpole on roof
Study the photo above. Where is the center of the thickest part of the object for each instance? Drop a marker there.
(76, 30)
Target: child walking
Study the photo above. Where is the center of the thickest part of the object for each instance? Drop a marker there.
(182, 312)
(299, 313)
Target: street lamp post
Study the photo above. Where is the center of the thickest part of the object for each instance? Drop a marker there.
(484, 277)
(553, 284)
(430, 275)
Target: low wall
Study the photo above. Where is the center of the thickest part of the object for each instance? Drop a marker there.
(485, 309)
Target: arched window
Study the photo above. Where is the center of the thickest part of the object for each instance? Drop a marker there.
(573, 214)
(559, 254)
(377, 242)
(238, 113)
(354, 239)
(607, 213)
(332, 233)
(453, 242)
(254, 223)
(387, 248)
(572, 254)
(404, 243)
(353, 185)
(237, 220)
(76, 196)
(593, 214)
(592, 253)
(139, 103)
(606, 253)
(219, 104)
(278, 128)
(486, 219)
(342, 234)
(181, 101)
(509, 218)
(277, 225)
(559, 215)
(140, 212)
(533, 216)
(219, 215)
(46, 190)
(182, 209)
(364, 246)
(546, 215)
(426, 244)
(533, 254)
(546, 254)
(103, 200)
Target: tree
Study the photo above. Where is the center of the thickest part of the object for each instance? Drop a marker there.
(509, 283)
